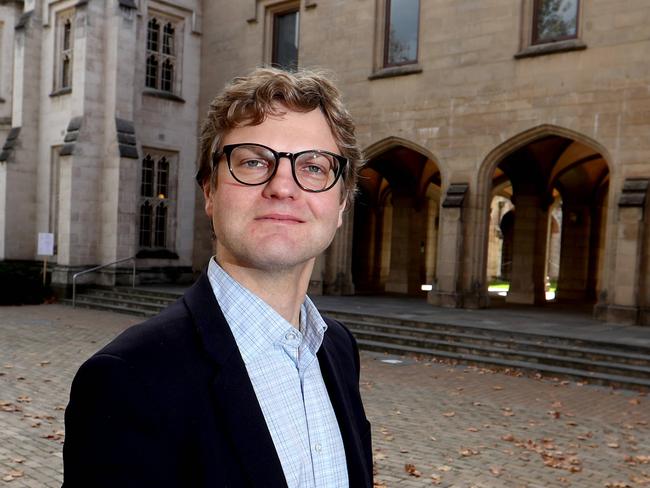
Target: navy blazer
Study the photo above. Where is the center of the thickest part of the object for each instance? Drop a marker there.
(169, 404)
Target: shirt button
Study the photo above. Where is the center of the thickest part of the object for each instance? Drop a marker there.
(290, 336)
(318, 447)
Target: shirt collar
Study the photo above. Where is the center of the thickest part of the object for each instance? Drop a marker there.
(256, 326)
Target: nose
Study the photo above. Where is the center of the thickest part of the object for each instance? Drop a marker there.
(282, 185)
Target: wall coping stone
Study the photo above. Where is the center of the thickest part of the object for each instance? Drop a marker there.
(392, 71)
(551, 48)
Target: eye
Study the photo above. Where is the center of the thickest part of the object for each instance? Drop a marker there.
(253, 163)
(314, 164)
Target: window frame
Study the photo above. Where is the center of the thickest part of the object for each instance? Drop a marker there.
(534, 37)
(274, 36)
(64, 57)
(272, 9)
(387, 21)
(161, 58)
(169, 202)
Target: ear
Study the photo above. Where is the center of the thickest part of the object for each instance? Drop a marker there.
(208, 192)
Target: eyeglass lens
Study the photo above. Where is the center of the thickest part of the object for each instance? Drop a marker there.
(253, 165)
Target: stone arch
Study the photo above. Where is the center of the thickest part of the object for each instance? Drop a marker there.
(519, 144)
(396, 218)
(496, 155)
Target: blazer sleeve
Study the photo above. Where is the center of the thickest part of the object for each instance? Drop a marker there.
(111, 434)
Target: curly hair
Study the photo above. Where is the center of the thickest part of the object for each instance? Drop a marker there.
(249, 100)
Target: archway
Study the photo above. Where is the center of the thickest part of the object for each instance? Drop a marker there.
(556, 183)
(396, 220)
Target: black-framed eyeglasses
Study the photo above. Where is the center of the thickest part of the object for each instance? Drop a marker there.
(255, 164)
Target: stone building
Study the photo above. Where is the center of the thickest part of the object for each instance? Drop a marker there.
(543, 105)
(99, 121)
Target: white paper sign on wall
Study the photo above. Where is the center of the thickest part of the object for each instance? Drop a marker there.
(45, 244)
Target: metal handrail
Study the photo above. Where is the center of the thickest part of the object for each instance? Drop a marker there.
(90, 270)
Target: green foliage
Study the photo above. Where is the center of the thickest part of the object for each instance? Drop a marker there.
(22, 284)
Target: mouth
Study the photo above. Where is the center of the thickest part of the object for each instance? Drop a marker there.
(280, 219)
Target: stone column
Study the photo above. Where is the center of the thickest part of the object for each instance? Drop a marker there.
(337, 277)
(448, 281)
(529, 251)
(622, 301)
(398, 276)
(431, 240)
(575, 254)
(19, 155)
(386, 240)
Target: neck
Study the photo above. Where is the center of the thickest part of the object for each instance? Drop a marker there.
(283, 290)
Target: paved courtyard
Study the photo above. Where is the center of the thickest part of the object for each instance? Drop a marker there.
(433, 424)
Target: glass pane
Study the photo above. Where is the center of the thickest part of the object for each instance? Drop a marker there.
(67, 29)
(163, 178)
(315, 170)
(167, 76)
(153, 30)
(145, 225)
(168, 39)
(65, 73)
(555, 20)
(161, 224)
(402, 35)
(151, 79)
(285, 40)
(252, 164)
(146, 187)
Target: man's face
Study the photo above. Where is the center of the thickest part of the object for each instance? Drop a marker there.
(275, 226)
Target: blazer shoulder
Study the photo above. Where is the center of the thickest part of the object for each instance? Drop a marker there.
(156, 336)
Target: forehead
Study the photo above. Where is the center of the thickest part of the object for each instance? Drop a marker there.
(287, 130)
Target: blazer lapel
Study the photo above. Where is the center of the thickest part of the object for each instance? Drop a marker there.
(333, 377)
(236, 405)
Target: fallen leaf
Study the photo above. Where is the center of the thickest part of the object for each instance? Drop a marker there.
(410, 469)
(468, 451)
(495, 471)
(436, 479)
(444, 468)
(613, 445)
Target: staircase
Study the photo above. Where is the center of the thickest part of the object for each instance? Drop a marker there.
(589, 361)
(132, 301)
(592, 361)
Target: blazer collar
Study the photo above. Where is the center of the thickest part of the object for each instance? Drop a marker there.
(236, 405)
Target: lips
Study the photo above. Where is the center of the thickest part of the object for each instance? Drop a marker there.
(280, 218)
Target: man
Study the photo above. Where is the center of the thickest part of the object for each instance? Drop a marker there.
(241, 382)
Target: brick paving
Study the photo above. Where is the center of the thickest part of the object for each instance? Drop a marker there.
(433, 424)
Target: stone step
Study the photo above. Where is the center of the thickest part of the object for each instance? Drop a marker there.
(545, 339)
(136, 303)
(567, 348)
(99, 305)
(109, 294)
(489, 351)
(618, 381)
(171, 295)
